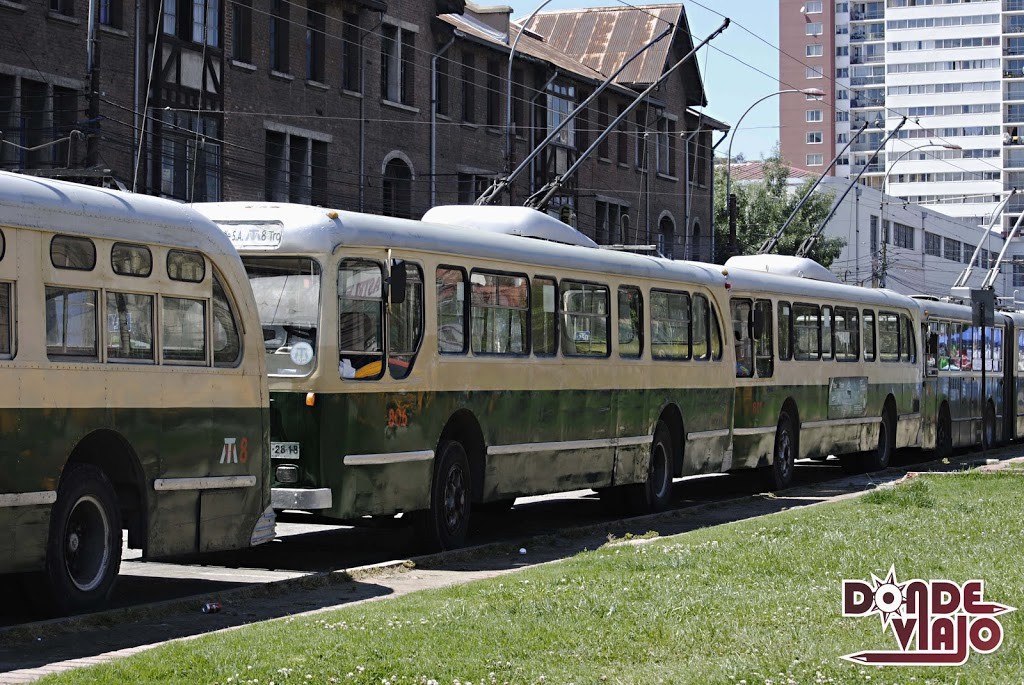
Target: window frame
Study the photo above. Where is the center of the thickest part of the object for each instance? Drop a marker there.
(139, 246)
(527, 327)
(638, 330)
(541, 279)
(810, 355)
(72, 240)
(464, 314)
(689, 324)
(607, 317)
(145, 361)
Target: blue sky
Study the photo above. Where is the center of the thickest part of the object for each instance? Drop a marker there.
(731, 86)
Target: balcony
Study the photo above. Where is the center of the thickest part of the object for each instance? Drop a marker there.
(1014, 6)
(862, 103)
(861, 36)
(1015, 25)
(867, 15)
(867, 80)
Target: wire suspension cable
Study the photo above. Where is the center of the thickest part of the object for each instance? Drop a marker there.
(542, 197)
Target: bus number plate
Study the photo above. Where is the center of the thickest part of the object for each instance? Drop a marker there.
(284, 450)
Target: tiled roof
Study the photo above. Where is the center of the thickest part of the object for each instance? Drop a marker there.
(754, 171)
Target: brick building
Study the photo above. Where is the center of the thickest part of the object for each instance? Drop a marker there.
(388, 107)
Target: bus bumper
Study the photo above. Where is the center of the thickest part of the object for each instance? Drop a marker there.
(265, 529)
(306, 499)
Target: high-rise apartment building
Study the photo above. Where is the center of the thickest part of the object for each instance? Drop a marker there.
(954, 68)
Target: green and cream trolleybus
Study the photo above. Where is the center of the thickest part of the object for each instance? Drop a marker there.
(428, 367)
(132, 388)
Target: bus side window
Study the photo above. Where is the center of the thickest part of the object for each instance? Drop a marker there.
(785, 331)
(631, 321)
(499, 309)
(806, 332)
(889, 334)
(70, 323)
(670, 325)
(585, 319)
(405, 324)
(908, 342)
(1020, 350)
(826, 332)
(543, 315)
(6, 319)
(451, 309)
(847, 334)
(129, 327)
(932, 348)
(741, 335)
(716, 336)
(227, 344)
(764, 356)
(869, 335)
(360, 319)
(701, 339)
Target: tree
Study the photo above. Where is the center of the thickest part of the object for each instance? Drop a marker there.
(763, 206)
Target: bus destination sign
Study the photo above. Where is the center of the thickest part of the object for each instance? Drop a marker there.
(253, 235)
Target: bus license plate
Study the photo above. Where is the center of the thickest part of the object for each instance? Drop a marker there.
(284, 450)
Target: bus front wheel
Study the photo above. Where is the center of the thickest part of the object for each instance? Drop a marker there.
(446, 524)
(83, 552)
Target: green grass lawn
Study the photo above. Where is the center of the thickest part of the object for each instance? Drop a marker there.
(756, 601)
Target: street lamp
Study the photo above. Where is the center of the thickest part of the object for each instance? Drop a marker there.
(817, 92)
(947, 146)
(508, 85)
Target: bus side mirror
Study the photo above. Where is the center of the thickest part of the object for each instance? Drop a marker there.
(397, 282)
(758, 323)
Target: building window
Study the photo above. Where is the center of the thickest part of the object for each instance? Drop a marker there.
(602, 124)
(951, 249)
(33, 113)
(842, 94)
(843, 51)
(241, 30)
(812, 7)
(296, 169)
(813, 72)
(190, 157)
(666, 238)
(561, 99)
(612, 223)
(622, 141)
(397, 55)
(468, 88)
(279, 35)
(813, 137)
(1018, 271)
(351, 53)
(813, 28)
(316, 26)
(204, 26)
(814, 50)
(111, 13)
(493, 93)
(471, 186)
(842, 7)
(815, 160)
(903, 236)
(397, 189)
(842, 72)
(65, 7)
(842, 116)
(441, 86)
(665, 149)
(813, 116)
(932, 244)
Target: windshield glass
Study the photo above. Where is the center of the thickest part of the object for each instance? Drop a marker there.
(287, 291)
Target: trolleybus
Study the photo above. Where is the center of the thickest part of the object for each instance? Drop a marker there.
(132, 388)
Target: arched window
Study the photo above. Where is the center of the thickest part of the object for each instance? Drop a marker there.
(397, 188)
(666, 237)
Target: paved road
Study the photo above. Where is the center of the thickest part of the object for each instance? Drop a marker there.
(306, 546)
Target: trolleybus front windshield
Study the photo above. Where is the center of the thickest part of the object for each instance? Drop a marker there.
(287, 291)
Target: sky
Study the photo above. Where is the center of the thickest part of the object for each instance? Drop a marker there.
(731, 87)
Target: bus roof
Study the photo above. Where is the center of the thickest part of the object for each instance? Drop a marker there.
(41, 203)
(311, 230)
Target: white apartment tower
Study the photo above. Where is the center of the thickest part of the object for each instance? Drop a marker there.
(954, 68)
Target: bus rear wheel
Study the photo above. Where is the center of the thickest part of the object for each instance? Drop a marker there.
(83, 551)
(780, 474)
(446, 524)
(655, 494)
(879, 458)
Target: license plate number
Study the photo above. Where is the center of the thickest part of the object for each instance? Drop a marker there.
(284, 450)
